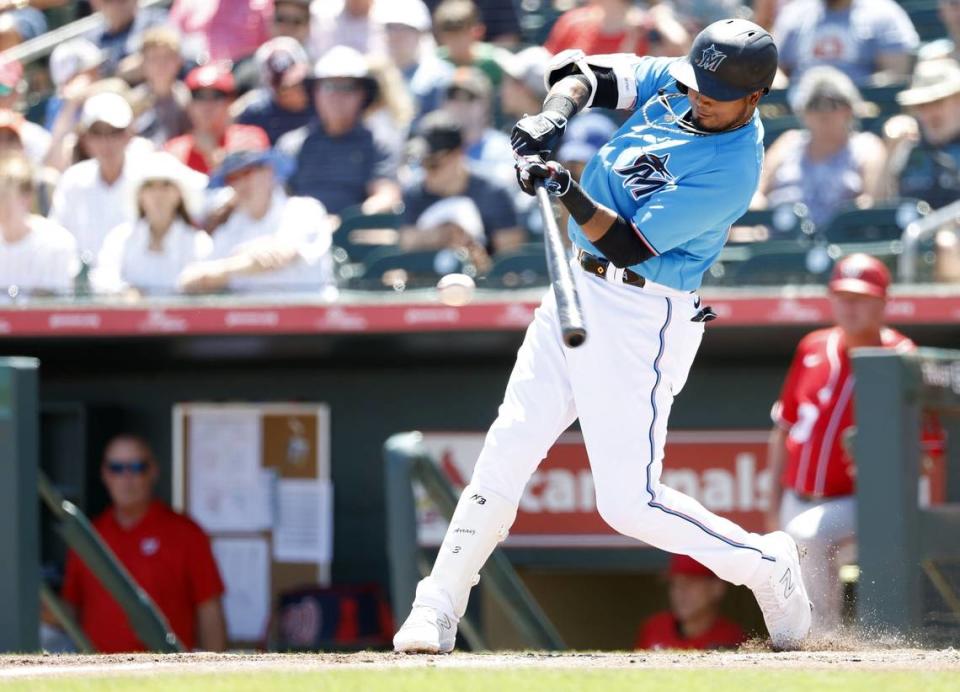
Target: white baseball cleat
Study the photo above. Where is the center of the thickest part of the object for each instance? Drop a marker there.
(782, 595)
(427, 630)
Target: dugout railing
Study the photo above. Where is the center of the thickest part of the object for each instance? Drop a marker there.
(21, 586)
(905, 548)
(407, 462)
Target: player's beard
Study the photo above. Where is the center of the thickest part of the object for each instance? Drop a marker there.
(741, 118)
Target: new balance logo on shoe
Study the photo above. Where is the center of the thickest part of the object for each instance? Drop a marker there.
(788, 585)
(479, 499)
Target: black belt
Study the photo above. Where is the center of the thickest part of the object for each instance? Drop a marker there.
(600, 267)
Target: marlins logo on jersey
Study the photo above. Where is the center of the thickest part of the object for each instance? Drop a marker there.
(647, 174)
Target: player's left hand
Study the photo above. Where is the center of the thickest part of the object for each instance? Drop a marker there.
(555, 177)
(537, 135)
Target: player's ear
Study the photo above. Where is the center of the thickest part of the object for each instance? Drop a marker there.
(754, 98)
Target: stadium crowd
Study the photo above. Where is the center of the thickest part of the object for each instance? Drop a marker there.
(286, 145)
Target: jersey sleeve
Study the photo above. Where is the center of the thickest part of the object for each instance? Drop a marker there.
(205, 581)
(651, 74)
(683, 209)
(784, 410)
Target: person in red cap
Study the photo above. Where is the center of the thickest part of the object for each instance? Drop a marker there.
(212, 90)
(693, 621)
(812, 467)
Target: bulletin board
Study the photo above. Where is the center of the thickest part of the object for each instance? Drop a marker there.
(256, 477)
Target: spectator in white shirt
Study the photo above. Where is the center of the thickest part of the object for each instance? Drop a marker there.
(36, 255)
(147, 256)
(270, 242)
(93, 196)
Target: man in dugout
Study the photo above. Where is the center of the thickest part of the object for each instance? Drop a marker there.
(166, 553)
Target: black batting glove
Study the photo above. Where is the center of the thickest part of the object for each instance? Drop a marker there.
(537, 135)
(556, 179)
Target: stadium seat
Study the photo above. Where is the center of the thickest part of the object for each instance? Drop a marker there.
(391, 267)
(798, 265)
(525, 266)
(882, 222)
(788, 221)
(349, 237)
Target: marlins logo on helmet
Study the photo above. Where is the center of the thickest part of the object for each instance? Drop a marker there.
(711, 58)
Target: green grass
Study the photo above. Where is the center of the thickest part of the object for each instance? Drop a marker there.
(526, 680)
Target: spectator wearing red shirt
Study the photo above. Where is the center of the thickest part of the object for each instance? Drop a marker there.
(693, 621)
(212, 89)
(813, 469)
(165, 552)
(215, 30)
(618, 26)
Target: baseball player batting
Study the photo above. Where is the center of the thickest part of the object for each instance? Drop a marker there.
(649, 217)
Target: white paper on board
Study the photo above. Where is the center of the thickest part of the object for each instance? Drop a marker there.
(304, 523)
(245, 568)
(229, 491)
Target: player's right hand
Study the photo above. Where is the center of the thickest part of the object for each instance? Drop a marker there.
(555, 177)
(537, 135)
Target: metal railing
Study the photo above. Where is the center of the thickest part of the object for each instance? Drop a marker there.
(919, 230)
(407, 461)
(142, 613)
(43, 45)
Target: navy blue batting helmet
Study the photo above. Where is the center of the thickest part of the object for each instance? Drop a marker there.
(729, 59)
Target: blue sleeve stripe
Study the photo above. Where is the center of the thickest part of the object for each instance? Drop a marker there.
(644, 239)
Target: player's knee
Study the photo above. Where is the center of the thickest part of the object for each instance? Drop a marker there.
(622, 514)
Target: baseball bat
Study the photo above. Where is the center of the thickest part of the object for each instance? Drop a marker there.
(561, 277)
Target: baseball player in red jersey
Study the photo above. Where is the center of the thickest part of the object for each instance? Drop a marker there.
(814, 474)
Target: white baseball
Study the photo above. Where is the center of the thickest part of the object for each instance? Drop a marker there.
(455, 289)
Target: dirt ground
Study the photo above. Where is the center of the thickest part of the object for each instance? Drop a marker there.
(52, 665)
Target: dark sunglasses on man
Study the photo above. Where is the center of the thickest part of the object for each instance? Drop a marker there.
(135, 467)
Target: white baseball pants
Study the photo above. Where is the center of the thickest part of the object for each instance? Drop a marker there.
(826, 530)
(620, 384)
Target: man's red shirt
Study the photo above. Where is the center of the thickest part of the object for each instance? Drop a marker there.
(168, 555)
(662, 631)
(185, 147)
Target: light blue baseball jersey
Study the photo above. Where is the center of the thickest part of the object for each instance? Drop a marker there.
(680, 189)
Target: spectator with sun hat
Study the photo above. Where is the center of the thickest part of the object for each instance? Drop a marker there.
(93, 196)
(146, 256)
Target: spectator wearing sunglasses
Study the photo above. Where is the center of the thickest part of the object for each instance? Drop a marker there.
(336, 157)
(469, 99)
(166, 553)
(451, 205)
(212, 89)
(828, 164)
(282, 103)
(291, 18)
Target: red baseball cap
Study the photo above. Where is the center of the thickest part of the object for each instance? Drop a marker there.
(216, 76)
(684, 564)
(860, 273)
